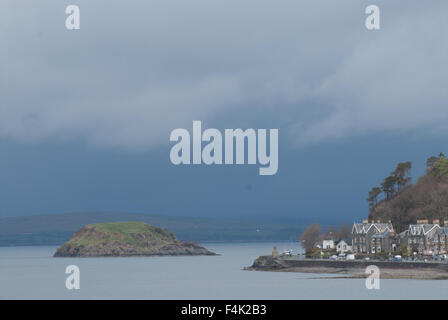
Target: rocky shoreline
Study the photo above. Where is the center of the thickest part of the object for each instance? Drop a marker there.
(175, 249)
(353, 269)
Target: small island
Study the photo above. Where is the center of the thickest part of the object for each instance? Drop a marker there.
(126, 239)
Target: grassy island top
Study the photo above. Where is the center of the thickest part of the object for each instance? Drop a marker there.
(124, 227)
(126, 232)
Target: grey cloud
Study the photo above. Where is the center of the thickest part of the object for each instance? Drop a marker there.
(395, 81)
(136, 70)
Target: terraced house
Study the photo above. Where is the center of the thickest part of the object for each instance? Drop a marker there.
(427, 238)
(387, 241)
(363, 233)
(439, 241)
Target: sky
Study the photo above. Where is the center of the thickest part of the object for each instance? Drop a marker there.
(85, 115)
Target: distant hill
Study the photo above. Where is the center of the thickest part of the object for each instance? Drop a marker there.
(56, 229)
(426, 199)
(125, 239)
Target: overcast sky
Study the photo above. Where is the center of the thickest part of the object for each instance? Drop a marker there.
(85, 115)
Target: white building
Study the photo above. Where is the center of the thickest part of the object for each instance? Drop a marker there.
(343, 247)
(328, 244)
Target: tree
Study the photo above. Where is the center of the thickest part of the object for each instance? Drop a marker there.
(343, 232)
(431, 161)
(440, 170)
(372, 199)
(404, 250)
(388, 186)
(310, 236)
(401, 174)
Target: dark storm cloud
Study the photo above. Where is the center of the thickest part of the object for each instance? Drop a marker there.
(138, 69)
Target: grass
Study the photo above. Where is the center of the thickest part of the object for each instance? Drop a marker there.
(122, 227)
(123, 232)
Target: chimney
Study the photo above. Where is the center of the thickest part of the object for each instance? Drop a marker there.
(365, 221)
(436, 221)
(423, 221)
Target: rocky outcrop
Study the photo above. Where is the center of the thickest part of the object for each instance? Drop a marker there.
(267, 263)
(124, 239)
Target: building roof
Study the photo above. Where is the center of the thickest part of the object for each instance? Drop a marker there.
(440, 232)
(422, 229)
(382, 235)
(363, 228)
(404, 233)
(346, 241)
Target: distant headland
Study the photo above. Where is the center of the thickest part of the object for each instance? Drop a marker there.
(56, 229)
(124, 239)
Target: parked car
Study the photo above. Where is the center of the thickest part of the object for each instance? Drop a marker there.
(398, 258)
(286, 253)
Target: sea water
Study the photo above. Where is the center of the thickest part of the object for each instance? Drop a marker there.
(32, 273)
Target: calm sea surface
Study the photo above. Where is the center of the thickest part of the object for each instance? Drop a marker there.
(32, 273)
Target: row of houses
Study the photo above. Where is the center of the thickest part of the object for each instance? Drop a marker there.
(371, 237)
(425, 238)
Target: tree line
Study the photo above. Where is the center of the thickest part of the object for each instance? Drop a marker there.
(391, 185)
(400, 178)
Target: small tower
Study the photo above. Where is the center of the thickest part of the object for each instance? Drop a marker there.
(274, 252)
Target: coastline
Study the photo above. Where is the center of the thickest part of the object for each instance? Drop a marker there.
(353, 269)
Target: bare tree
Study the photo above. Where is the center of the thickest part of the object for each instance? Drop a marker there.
(310, 236)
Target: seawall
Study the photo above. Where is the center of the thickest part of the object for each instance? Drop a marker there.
(279, 264)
